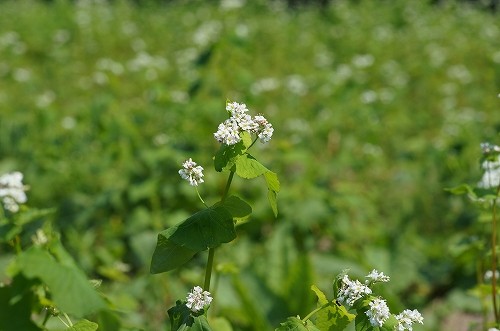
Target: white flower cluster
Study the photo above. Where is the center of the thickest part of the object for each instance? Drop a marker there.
(489, 148)
(491, 176)
(378, 312)
(197, 299)
(12, 191)
(351, 291)
(192, 172)
(407, 318)
(377, 277)
(228, 132)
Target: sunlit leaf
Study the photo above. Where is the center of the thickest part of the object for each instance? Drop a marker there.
(226, 156)
(334, 317)
(295, 324)
(70, 289)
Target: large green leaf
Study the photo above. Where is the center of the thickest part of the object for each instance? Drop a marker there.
(237, 207)
(70, 289)
(333, 317)
(248, 167)
(295, 324)
(206, 229)
(15, 306)
(169, 255)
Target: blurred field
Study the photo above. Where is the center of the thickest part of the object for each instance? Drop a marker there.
(377, 107)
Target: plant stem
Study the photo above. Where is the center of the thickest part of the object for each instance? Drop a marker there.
(315, 311)
(228, 184)
(494, 258)
(199, 196)
(211, 251)
(253, 142)
(208, 271)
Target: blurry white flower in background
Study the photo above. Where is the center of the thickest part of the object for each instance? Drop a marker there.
(363, 61)
(68, 122)
(232, 4)
(22, 75)
(491, 176)
(12, 191)
(207, 33)
(264, 85)
(45, 99)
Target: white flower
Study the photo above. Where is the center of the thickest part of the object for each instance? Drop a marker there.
(197, 299)
(265, 129)
(493, 329)
(375, 276)
(228, 132)
(488, 275)
(236, 109)
(491, 176)
(407, 318)
(192, 172)
(378, 312)
(12, 191)
(351, 291)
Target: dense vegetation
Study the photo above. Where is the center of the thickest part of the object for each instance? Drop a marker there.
(377, 107)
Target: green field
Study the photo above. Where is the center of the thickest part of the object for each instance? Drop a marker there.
(377, 106)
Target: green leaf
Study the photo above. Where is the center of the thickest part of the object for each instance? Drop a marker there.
(206, 229)
(295, 324)
(246, 138)
(333, 317)
(273, 201)
(70, 289)
(182, 319)
(169, 255)
(273, 184)
(362, 323)
(15, 306)
(237, 207)
(460, 189)
(221, 324)
(83, 325)
(248, 167)
(226, 156)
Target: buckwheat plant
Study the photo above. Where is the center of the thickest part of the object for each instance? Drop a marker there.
(483, 245)
(32, 290)
(214, 225)
(354, 302)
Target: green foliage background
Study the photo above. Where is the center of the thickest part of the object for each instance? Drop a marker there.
(377, 107)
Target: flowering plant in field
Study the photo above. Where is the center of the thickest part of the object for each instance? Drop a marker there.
(215, 224)
(33, 285)
(354, 302)
(485, 195)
